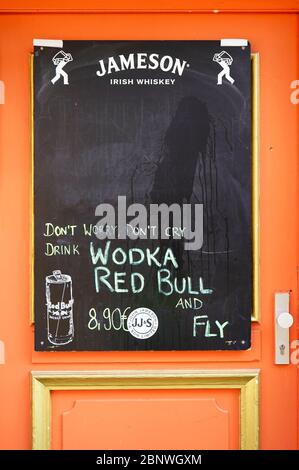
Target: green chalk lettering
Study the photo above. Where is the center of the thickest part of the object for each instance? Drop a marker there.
(197, 322)
(163, 279)
(133, 259)
(123, 256)
(134, 287)
(118, 281)
(102, 278)
(221, 327)
(99, 255)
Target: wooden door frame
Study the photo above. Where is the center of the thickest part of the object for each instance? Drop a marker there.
(244, 380)
(148, 6)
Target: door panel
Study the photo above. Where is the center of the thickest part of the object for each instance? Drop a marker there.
(131, 419)
(203, 412)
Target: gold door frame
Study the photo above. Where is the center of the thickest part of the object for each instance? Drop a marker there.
(246, 381)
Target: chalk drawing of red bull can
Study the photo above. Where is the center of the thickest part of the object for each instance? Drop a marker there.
(59, 296)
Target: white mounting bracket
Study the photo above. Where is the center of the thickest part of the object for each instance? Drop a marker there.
(283, 321)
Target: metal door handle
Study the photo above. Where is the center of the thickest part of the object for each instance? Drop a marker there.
(285, 320)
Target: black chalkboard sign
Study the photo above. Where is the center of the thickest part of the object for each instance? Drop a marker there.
(142, 196)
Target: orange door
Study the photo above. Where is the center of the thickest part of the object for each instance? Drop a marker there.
(151, 400)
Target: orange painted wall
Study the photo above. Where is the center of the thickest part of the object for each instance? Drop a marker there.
(274, 36)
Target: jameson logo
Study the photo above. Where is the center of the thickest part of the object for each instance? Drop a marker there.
(156, 221)
(141, 60)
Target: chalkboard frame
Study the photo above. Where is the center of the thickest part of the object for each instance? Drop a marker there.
(255, 72)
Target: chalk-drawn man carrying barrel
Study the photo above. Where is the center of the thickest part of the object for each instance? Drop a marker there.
(60, 60)
(225, 60)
